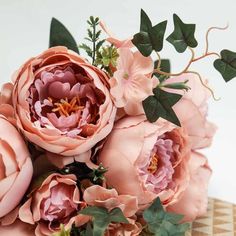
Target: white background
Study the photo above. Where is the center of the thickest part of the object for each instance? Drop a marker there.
(24, 27)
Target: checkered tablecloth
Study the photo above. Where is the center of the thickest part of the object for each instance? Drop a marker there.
(220, 220)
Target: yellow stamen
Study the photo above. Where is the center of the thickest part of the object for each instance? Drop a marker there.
(152, 168)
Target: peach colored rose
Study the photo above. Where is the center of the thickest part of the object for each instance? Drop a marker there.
(193, 202)
(62, 103)
(131, 229)
(149, 160)
(192, 111)
(132, 82)
(15, 167)
(109, 198)
(55, 202)
(18, 228)
(151, 156)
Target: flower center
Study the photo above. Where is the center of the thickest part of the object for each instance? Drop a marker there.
(66, 107)
(152, 168)
(126, 76)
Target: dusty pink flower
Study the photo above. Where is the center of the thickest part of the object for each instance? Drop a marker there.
(15, 167)
(109, 198)
(55, 202)
(114, 40)
(62, 103)
(193, 202)
(132, 229)
(18, 228)
(192, 111)
(152, 156)
(132, 82)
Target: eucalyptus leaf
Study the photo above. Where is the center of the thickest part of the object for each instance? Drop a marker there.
(183, 35)
(60, 36)
(150, 37)
(226, 65)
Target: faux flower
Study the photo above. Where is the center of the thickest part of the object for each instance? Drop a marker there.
(62, 103)
(18, 228)
(193, 202)
(109, 198)
(192, 111)
(157, 159)
(15, 167)
(152, 156)
(132, 82)
(56, 201)
(132, 229)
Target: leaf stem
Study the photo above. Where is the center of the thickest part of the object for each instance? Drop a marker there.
(206, 55)
(203, 84)
(159, 60)
(183, 71)
(94, 43)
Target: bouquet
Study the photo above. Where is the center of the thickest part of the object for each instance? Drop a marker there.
(101, 138)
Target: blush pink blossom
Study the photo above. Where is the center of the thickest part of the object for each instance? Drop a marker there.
(56, 201)
(132, 82)
(15, 167)
(192, 111)
(62, 103)
(193, 202)
(155, 158)
(109, 198)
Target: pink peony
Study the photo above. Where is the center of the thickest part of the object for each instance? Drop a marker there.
(17, 229)
(132, 82)
(15, 167)
(131, 229)
(193, 202)
(109, 198)
(56, 201)
(192, 111)
(156, 159)
(62, 103)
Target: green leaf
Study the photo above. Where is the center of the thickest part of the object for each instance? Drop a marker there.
(160, 105)
(87, 49)
(162, 223)
(102, 218)
(165, 67)
(60, 36)
(183, 35)
(150, 37)
(226, 65)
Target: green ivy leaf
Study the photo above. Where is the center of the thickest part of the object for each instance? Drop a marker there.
(160, 105)
(226, 65)
(183, 35)
(165, 67)
(60, 36)
(102, 218)
(162, 223)
(150, 37)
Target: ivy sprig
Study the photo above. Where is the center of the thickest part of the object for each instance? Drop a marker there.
(162, 223)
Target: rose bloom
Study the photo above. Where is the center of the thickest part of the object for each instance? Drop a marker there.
(110, 199)
(62, 103)
(55, 202)
(18, 228)
(160, 159)
(15, 167)
(131, 229)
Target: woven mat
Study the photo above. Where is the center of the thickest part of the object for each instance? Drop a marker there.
(220, 220)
